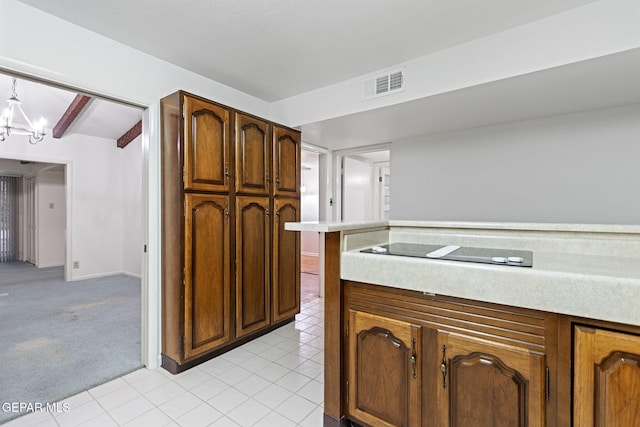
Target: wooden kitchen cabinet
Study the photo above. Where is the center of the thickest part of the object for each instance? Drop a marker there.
(207, 283)
(221, 285)
(606, 382)
(487, 383)
(383, 366)
(287, 152)
(207, 158)
(253, 246)
(253, 155)
(476, 364)
(285, 269)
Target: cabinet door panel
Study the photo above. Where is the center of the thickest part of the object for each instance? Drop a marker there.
(206, 157)
(253, 155)
(252, 264)
(207, 273)
(384, 379)
(286, 260)
(286, 162)
(490, 384)
(606, 378)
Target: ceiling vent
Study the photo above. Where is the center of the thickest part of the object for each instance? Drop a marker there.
(384, 84)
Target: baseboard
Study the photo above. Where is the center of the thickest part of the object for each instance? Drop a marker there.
(49, 265)
(136, 276)
(312, 254)
(97, 276)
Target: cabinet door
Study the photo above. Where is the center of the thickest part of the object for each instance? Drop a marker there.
(384, 375)
(286, 260)
(252, 264)
(207, 273)
(206, 151)
(484, 383)
(253, 155)
(286, 162)
(606, 378)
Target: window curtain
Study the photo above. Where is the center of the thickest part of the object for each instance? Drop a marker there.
(8, 218)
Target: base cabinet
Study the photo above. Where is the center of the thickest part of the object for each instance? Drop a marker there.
(486, 383)
(384, 378)
(606, 378)
(415, 360)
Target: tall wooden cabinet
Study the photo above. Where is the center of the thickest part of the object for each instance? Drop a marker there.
(229, 270)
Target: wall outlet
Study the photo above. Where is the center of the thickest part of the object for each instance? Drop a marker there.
(76, 264)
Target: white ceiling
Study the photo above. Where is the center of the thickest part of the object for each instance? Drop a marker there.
(278, 48)
(100, 117)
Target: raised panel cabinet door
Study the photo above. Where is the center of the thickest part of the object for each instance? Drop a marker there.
(207, 148)
(253, 296)
(253, 155)
(488, 384)
(207, 293)
(286, 162)
(606, 382)
(286, 260)
(383, 370)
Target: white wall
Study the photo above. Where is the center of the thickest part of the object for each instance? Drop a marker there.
(132, 239)
(51, 218)
(578, 168)
(100, 206)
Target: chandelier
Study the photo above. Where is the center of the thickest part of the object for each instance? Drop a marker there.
(35, 133)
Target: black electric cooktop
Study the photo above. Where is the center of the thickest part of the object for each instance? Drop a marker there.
(508, 257)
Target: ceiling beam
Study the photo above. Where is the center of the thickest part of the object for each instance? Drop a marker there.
(130, 135)
(73, 111)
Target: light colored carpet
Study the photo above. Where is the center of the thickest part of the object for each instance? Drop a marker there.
(59, 338)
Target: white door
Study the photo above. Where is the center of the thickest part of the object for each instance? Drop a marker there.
(357, 190)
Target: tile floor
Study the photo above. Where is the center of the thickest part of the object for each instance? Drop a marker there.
(275, 381)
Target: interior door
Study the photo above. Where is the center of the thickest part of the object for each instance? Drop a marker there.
(357, 190)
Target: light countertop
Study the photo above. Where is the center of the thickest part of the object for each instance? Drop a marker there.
(585, 270)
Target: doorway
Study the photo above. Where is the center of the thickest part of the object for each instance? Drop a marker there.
(310, 211)
(365, 185)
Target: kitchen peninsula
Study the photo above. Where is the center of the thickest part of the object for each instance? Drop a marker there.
(439, 342)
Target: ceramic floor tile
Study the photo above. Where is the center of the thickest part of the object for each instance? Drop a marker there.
(224, 422)
(291, 360)
(80, 414)
(154, 417)
(117, 397)
(273, 419)
(191, 378)
(312, 391)
(233, 375)
(165, 393)
(130, 410)
(227, 400)
(252, 385)
(273, 372)
(32, 419)
(103, 420)
(149, 382)
(314, 419)
(109, 387)
(202, 415)
(309, 368)
(256, 364)
(248, 413)
(293, 381)
(295, 408)
(273, 354)
(210, 388)
(238, 355)
(180, 405)
(273, 395)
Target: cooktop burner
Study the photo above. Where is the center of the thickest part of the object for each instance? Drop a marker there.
(456, 253)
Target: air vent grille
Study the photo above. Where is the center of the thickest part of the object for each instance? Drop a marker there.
(385, 84)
